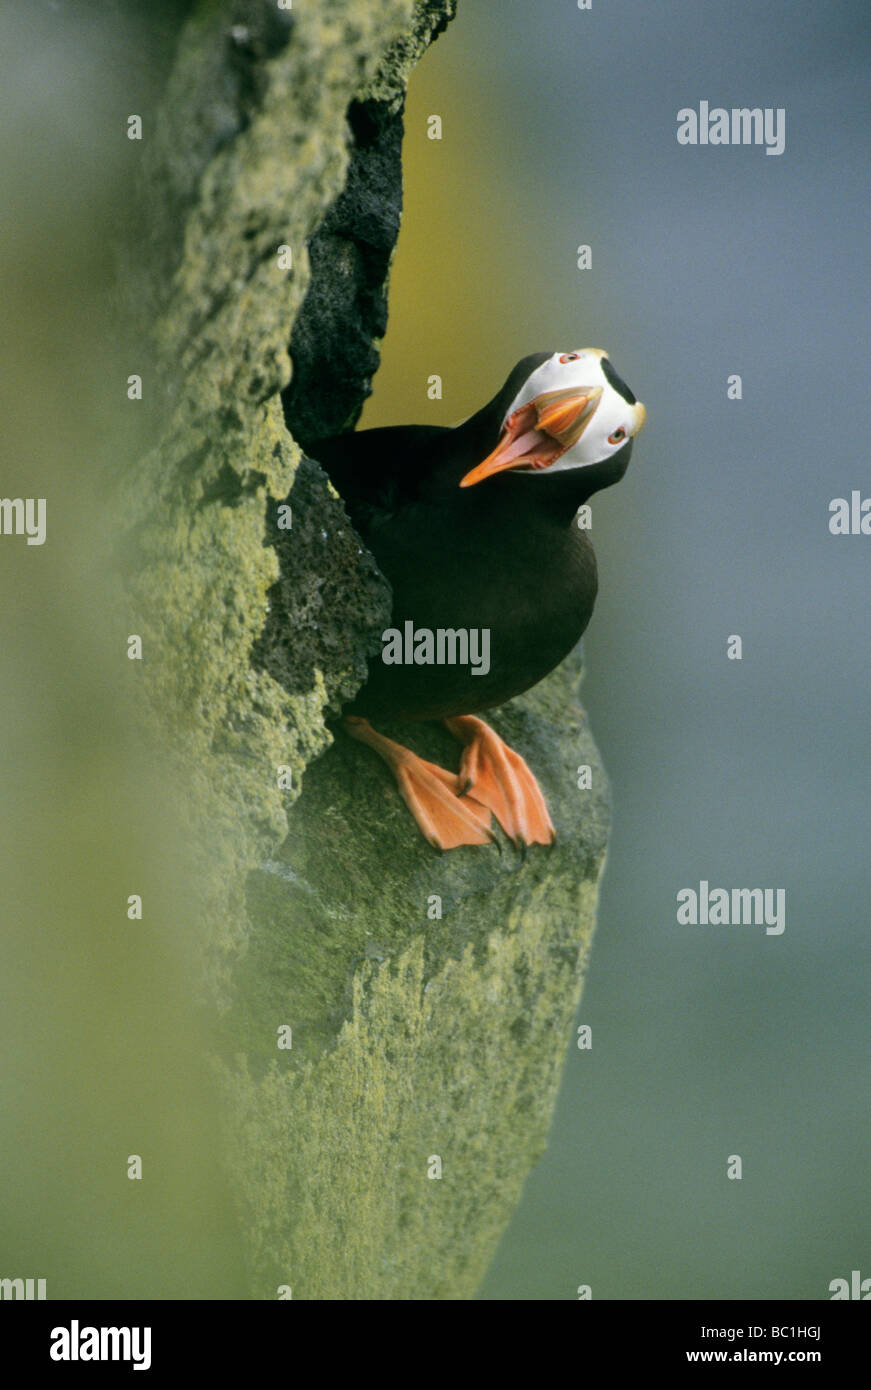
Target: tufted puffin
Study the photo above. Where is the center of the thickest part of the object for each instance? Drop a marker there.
(474, 527)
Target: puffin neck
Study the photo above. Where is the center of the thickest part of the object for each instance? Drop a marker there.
(560, 494)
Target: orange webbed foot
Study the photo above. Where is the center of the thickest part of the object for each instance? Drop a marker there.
(494, 775)
(444, 817)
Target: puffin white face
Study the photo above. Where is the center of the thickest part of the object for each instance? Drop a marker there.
(570, 413)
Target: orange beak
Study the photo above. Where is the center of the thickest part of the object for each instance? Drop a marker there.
(538, 434)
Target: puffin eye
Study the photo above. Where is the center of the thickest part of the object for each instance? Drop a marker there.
(616, 437)
(569, 356)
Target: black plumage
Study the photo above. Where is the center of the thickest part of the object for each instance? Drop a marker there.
(504, 555)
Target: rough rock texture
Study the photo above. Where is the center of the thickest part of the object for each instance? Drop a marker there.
(346, 302)
(414, 1035)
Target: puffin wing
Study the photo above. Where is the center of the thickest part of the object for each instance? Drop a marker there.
(377, 472)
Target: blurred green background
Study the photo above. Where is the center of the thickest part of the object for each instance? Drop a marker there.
(559, 128)
(101, 1043)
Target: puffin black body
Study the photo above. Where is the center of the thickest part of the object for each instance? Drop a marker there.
(474, 527)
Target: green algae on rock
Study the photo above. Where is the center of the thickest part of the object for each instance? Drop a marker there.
(414, 1035)
(430, 997)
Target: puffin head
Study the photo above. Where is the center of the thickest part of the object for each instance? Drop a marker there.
(572, 412)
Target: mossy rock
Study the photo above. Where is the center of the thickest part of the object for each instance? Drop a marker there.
(416, 1036)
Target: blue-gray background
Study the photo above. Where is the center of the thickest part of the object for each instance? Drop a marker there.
(559, 128)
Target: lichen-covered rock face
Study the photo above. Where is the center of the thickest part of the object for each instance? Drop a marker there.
(247, 154)
(429, 997)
